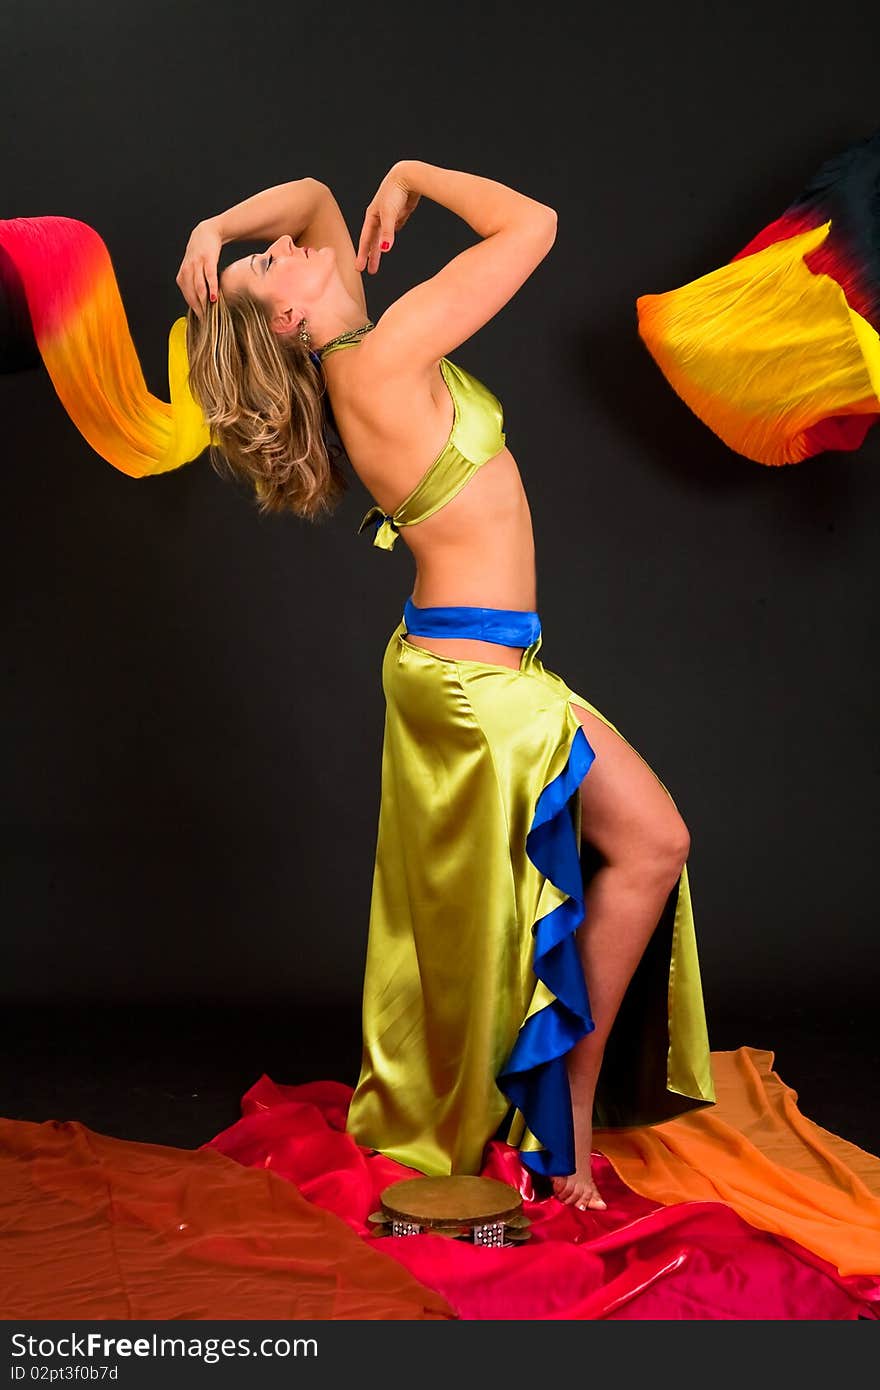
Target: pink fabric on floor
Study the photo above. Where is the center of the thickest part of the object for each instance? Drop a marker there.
(637, 1260)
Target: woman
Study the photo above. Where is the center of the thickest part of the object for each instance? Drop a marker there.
(482, 935)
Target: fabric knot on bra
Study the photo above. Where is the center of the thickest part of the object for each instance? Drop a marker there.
(386, 531)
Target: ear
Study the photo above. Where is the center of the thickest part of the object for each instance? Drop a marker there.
(287, 320)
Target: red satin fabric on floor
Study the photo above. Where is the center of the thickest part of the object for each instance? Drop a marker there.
(637, 1260)
(269, 1220)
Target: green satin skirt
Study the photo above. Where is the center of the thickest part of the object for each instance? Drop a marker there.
(472, 990)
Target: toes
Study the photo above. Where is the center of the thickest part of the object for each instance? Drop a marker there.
(592, 1201)
(574, 1191)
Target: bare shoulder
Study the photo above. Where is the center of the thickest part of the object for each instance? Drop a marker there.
(393, 417)
(439, 314)
(383, 388)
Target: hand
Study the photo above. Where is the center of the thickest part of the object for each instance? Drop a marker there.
(387, 213)
(197, 276)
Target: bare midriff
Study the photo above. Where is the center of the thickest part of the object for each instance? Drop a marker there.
(478, 549)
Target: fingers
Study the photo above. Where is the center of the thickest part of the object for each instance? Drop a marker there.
(363, 243)
(196, 283)
(377, 236)
(366, 253)
(185, 284)
(197, 299)
(211, 280)
(199, 290)
(202, 282)
(197, 278)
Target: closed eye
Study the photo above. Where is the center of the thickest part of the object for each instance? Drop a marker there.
(269, 262)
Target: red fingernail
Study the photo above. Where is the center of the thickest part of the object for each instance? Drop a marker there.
(385, 245)
(213, 297)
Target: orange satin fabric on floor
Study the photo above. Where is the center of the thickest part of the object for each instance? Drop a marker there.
(755, 1151)
(97, 1227)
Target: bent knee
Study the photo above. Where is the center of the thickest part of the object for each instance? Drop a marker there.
(659, 851)
(654, 851)
(669, 847)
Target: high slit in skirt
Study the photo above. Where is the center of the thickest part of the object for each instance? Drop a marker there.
(474, 992)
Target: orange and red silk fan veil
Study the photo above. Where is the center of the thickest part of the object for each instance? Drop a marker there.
(60, 299)
(778, 351)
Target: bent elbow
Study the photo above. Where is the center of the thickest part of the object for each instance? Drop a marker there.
(547, 222)
(546, 218)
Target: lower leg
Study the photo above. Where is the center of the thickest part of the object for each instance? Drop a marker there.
(623, 904)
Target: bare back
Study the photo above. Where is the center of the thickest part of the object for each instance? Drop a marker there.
(478, 549)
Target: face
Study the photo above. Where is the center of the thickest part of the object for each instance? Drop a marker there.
(288, 279)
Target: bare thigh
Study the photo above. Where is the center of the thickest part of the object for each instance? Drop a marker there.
(626, 812)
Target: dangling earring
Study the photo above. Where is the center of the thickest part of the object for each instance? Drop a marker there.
(305, 336)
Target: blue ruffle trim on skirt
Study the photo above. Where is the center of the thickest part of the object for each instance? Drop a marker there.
(535, 1078)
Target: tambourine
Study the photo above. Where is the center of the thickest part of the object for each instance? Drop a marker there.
(482, 1211)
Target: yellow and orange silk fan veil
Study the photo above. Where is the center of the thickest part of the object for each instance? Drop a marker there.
(59, 291)
(778, 351)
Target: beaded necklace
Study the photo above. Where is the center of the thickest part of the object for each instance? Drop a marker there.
(351, 335)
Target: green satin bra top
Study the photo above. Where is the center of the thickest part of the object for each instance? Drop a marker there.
(476, 437)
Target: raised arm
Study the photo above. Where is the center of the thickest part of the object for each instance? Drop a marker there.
(306, 210)
(267, 215)
(434, 317)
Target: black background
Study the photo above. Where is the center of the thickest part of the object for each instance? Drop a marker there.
(192, 704)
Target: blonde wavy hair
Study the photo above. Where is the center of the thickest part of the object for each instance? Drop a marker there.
(262, 396)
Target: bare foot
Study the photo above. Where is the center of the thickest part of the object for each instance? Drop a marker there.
(578, 1188)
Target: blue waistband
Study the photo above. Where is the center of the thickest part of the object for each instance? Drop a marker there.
(510, 627)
